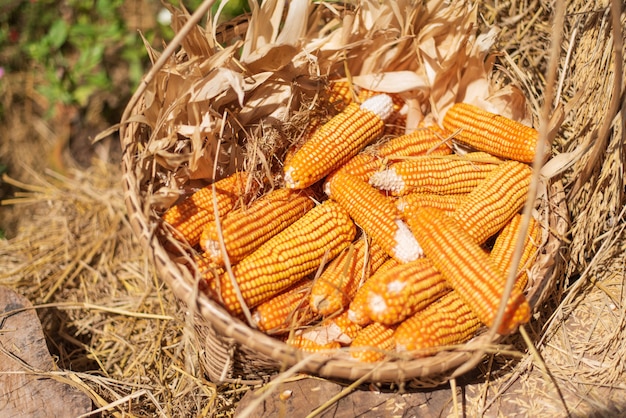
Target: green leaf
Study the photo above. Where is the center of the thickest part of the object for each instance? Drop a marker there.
(83, 92)
(57, 34)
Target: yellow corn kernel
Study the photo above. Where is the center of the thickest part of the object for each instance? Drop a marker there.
(340, 94)
(443, 175)
(337, 141)
(209, 272)
(445, 322)
(377, 215)
(504, 246)
(418, 142)
(491, 133)
(310, 346)
(361, 166)
(357, 312)
(403, 290)
(411, 202)
(372, 342)
(467, 269)
(285, 311)
(245, 229)
(336, 328)
(487, 208)
(347, 329)
(320, 235)
(336, 286)
(191, 215)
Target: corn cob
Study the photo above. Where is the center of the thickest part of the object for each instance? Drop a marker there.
(447, 321)
(336, 328)
(336, 286)
(491, 133)
(467, 269)
(357, 312)
(285, 311)
(340, 94)
(245, 229)
(208, 271)
(504, 246)
(411, 202)
(403, 290)
(190, 215)
(441, 175)
(416, 143)
(371, 343)
(310, 346)
(361, 166)
(348, 330)
(366, 94)
(289, 256)
(487, 208)
(337, 141)
(377, 215)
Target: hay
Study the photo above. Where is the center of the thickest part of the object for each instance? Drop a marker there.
(116, 332)
(580, 335)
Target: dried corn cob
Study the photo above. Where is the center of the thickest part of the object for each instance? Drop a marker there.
(208, 271)
(411, 202)
(245, 229)
(372, 342)
(443, 175)
(336, 328)
(348, 329)
(289, 256)
(357, 312)
(310, 346)
(337, 141)
(340, 94)
(491, 133)
(286, 310)
(416, 143)
(502, 251)
(192, 214)
(487, 208)
(336, 286)
(366, 94)
(377, 215)
(447, 321)
(467, 269)
(403, 290)
(361, 166)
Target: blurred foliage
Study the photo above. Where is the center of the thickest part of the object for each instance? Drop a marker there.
(74, 46)
(231, 9)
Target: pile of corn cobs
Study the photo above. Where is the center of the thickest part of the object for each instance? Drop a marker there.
(407, 252)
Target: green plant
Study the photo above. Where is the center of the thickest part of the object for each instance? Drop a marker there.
(75, 46)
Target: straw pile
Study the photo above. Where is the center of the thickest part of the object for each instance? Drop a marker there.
(125, 337)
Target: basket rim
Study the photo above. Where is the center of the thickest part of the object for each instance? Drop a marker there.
(180, 280)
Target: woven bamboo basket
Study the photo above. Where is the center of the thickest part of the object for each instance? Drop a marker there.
(169, 151)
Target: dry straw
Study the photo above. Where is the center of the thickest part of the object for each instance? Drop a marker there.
(234, 106)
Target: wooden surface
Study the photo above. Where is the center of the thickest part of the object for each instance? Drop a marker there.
(26, 389)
